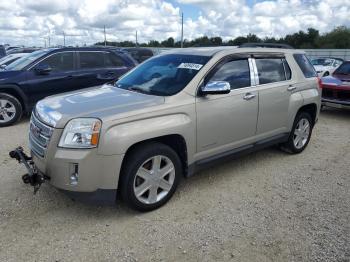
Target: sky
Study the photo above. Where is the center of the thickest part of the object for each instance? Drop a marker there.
(33, 22)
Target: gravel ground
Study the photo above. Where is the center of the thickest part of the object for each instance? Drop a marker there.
(267, 206)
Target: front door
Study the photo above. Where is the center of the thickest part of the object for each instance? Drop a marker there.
(59, 80)
(227, 121)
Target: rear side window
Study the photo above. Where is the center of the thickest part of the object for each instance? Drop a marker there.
(305, 65)
(91, 60)
(271, 70)
(112, 60)
(236, 72)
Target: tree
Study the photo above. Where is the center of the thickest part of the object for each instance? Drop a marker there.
(337, 38)
(170, 42)
(216, 41)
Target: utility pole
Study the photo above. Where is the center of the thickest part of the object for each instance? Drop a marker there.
(104, 31)
(64, 39)
(182, 29)
(136, 38)
(49, 38)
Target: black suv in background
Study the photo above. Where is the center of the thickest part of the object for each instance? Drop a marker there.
(56, 70)
(138, 53)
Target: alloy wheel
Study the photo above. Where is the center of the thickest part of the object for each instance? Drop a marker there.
(154, 179)
(301, 133)
(7, 111)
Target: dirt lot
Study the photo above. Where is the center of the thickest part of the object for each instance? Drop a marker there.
(267, 206)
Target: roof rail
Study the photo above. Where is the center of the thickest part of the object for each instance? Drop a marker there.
(267, 45)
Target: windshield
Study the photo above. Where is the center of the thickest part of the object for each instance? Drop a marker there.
(26, 60)
(322, 62)
(164, 75)
(344, 69)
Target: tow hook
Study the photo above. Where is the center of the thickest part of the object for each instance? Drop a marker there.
(33, 177)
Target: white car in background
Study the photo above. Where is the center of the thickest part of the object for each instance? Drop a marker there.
(325, 66)
(6, 60)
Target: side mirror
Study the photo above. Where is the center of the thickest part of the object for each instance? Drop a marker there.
(42, 69)
(216, 88)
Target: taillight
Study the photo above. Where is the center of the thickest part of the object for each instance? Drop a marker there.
(319, 81)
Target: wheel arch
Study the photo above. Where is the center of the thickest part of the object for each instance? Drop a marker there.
(15, 91)
(310, 109)
(175, 141)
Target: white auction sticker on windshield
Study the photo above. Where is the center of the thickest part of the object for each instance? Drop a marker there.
(190, 66)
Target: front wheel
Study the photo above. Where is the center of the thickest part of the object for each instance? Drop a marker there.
(300, 135)
(150, 176)
(10, 110)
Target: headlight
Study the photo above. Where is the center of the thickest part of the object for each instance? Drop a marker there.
(81, 133)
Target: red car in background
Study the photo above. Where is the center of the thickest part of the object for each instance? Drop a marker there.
(336, 88)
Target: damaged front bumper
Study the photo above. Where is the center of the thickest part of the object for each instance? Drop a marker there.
(88, 189)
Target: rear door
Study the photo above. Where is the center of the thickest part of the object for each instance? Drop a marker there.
(98, 67)
(275, 88)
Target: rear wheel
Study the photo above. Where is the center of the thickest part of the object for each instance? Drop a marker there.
(300, 135)
(10, 109)
(150, 176)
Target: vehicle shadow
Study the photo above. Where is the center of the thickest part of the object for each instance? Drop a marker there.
(338, 113)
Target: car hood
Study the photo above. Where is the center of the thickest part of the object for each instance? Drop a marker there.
(5, 75)
(101, 102)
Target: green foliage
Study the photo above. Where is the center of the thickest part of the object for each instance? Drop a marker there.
(337, 38)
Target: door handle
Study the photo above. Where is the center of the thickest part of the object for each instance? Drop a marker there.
(248, 96)
(291, 88)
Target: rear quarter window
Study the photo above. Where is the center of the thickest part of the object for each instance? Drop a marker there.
(305, 65)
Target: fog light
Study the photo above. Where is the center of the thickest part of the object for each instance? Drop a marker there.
(74, 174)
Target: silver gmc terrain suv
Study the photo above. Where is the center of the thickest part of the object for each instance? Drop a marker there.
(169, 117)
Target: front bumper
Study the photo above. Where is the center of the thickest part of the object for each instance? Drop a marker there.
(94, 171)
(97, 175)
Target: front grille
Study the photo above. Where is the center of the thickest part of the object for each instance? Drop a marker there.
(39, 136)
(343, 95)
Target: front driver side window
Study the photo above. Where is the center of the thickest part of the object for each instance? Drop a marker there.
(60, 62)
(236, 72)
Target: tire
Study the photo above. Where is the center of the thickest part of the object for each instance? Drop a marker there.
(10, 110)
(293, 145)
(143, 188)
